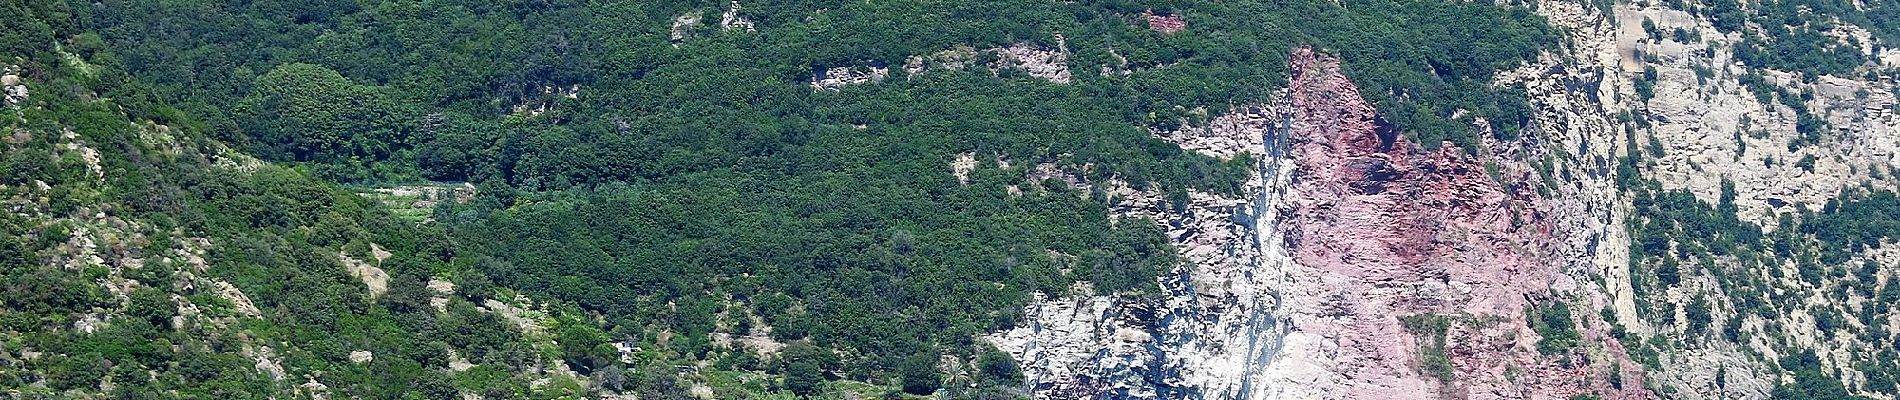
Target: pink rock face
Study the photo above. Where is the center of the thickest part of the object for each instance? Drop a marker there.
(1380, 229)
(1165, 23)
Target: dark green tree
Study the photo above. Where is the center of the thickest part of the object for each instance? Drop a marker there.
(919, 375)
(1000, 368)
(301, 111)
(803, 377)
(151, 305)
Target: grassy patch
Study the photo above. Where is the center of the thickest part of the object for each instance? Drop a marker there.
(1431, 329)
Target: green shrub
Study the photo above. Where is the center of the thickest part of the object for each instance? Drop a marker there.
(1431, 330)
(1556, 330)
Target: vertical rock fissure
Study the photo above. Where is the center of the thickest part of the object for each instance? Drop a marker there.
(1265, 231)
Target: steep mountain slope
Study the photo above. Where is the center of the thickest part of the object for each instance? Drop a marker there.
(143, 260)
(1673, 223)
(1184, 200)
(769, 194)
(1365, 267)
(1742, 267)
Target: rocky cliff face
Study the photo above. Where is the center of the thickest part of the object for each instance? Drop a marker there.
(1213, 328)
(1360, 265)
(1704, 128)
(1301, 288)
(1382, 231)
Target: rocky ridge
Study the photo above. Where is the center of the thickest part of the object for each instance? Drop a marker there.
(12, 88)
(1033, 60)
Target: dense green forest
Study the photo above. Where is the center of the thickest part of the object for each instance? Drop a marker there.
(686, 177)
(428, 82)
(649, 191)
(92, 154)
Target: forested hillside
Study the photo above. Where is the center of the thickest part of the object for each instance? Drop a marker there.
(682, 180)
(144, 259)
(428, 83)
(775, 199)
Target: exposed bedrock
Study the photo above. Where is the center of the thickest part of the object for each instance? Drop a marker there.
(1298, 288)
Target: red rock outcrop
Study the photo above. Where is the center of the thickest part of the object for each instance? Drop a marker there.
(1296, 288)
(1380, 228)
(1165, 23)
